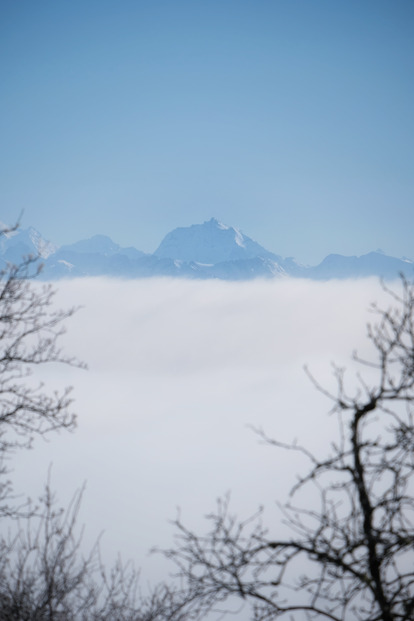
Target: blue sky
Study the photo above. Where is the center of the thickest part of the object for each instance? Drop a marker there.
(292, 120)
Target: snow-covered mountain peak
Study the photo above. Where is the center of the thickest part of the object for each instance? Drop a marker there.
(217, 224)
(210, 243)
(238, 235)
(24, 242)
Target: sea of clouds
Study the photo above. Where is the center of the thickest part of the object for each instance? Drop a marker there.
(178, 373)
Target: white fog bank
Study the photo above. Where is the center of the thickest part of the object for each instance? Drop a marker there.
(177, 371)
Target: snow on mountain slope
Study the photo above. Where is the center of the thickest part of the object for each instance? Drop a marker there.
(210, 243)
(24, 242)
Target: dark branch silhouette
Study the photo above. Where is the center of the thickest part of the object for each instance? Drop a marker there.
(44, 573)
(350, 554)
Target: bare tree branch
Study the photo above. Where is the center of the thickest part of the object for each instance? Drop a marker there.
(350, 555)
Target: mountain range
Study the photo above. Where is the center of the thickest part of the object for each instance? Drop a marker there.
(208, 250)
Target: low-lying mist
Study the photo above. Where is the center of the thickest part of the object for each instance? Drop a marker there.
(178, 372)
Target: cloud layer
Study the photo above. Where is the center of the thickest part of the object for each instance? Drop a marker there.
(178, 370)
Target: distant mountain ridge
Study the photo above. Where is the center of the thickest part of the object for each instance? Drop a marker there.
(208, 250)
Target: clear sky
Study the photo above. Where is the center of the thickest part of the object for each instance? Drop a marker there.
(290, 119)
